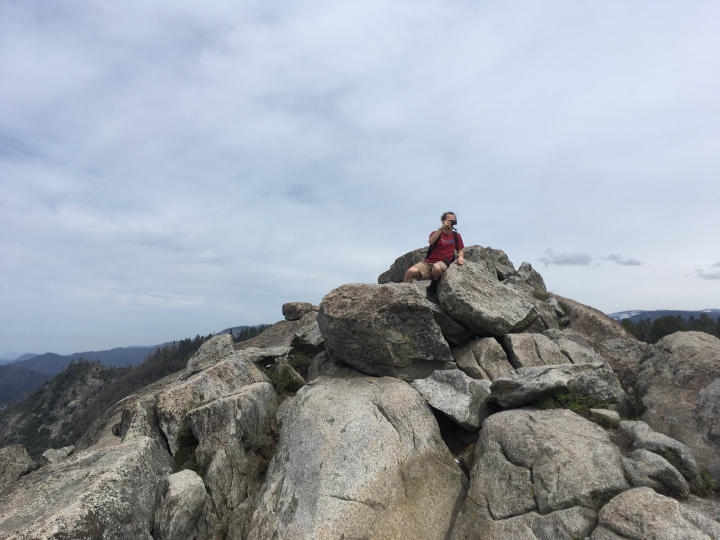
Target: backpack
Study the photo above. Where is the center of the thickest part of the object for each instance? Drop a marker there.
(430, 249)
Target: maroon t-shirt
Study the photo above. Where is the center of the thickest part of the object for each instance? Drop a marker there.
(445, 248)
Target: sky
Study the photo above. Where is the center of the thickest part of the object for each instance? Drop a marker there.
(175, 168)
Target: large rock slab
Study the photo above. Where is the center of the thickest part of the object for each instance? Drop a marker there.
(574, 346)
(483, 304)
(396, 272)
(105, 493)
(51, 455)
(279, 334)
(220, 379)
(308, 339)
(213, 350)
(641, 513)
(679, 385)
(235, 442)
(530, 462)
(14, 463)
(358, 457)
(482, 358)
(458, 396)
(383, 330)
(527, 385)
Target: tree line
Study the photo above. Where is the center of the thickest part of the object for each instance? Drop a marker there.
(652, 331)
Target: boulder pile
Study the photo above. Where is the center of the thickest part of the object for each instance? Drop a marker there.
(493, 409)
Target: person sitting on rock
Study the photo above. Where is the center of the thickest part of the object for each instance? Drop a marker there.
(444, 242)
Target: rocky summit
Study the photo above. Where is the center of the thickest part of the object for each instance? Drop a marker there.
(490, 409)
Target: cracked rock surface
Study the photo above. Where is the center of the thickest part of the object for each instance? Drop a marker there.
(358, 457)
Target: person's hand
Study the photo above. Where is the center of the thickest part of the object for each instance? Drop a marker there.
(447, 225)
(461, 260)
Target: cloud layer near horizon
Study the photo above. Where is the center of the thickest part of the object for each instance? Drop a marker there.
(173, 168)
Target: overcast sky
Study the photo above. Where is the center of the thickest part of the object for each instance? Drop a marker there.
(173, 168)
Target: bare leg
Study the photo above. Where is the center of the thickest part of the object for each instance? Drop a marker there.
(412, 274)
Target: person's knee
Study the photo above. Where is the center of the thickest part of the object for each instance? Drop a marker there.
(412, 273)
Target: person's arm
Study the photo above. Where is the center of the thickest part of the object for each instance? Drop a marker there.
(461, 257)
(434, 236)
(447, 227)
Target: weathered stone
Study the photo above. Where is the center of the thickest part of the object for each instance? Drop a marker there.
(476, 522)
(14, 463)
(461, 398)
(453, 331)
(527, 385)
(482, 358)
(212, 351)
(647, 469)
(679, 388)
(530, 462)
(308, 339)
(396, 272)
(574, 346)
(358, 457)
(624, 356)
(234, 446)
(484, 305)
(605, 417)
(179, 507)
(51, 455)
(221, 379)
(495, 259)
(105, 493)
(383, 330)
(532, 349)
(262, 356)
(641, 513)
(547, 318)
(678, 454)
(527, 274)
(292, 311)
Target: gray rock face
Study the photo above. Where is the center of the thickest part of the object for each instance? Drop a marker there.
(52, 455)
(360, 457)
(530, 462)
(235, 444)
(308, 339)
(279, 334)
(104, 493)
(396, 272)
(647, 469)
(527, 274)
(574, 346)
(222, 378)
(461, 398)
(641, 513)
(482, 358)
(181, 499)
(679, 388)
(292, 311)
(605, 417)
(264, 355)
(527, 385)
(383, 330)
(453, 331)
(532, 349)
(674, 451)
(14, 463)
(484, 305)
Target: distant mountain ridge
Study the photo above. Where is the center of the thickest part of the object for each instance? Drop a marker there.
(52, 363)
(639, 315)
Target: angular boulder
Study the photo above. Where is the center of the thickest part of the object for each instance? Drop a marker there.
(293, 311)
(483, 304)
(533, 349)
(279, 334)
(461, 398)
(51, 455)
(14, 463)
(180, 503)
(527, 385)
(482, 358)
(358, 457)
(679, 386)
(574, 346)
(383, 330)
(308, 339)
(213, 350)
(647, 469)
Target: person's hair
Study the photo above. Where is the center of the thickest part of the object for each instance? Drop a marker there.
(446, 213)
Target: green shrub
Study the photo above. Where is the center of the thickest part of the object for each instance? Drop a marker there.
(707, 483)
(283, 380)
(300, 363)
(577, 403)
(540, 294)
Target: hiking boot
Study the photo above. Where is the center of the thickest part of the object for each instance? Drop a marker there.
(432, 288)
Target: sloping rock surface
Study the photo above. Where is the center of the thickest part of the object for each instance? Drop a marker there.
(106, 493)
(358, 457)
(14, 463)
(482, 358)
(383, 330)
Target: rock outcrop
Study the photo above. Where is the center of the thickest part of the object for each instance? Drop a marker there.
(679, 386)
(14, 463)
(358, 457)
